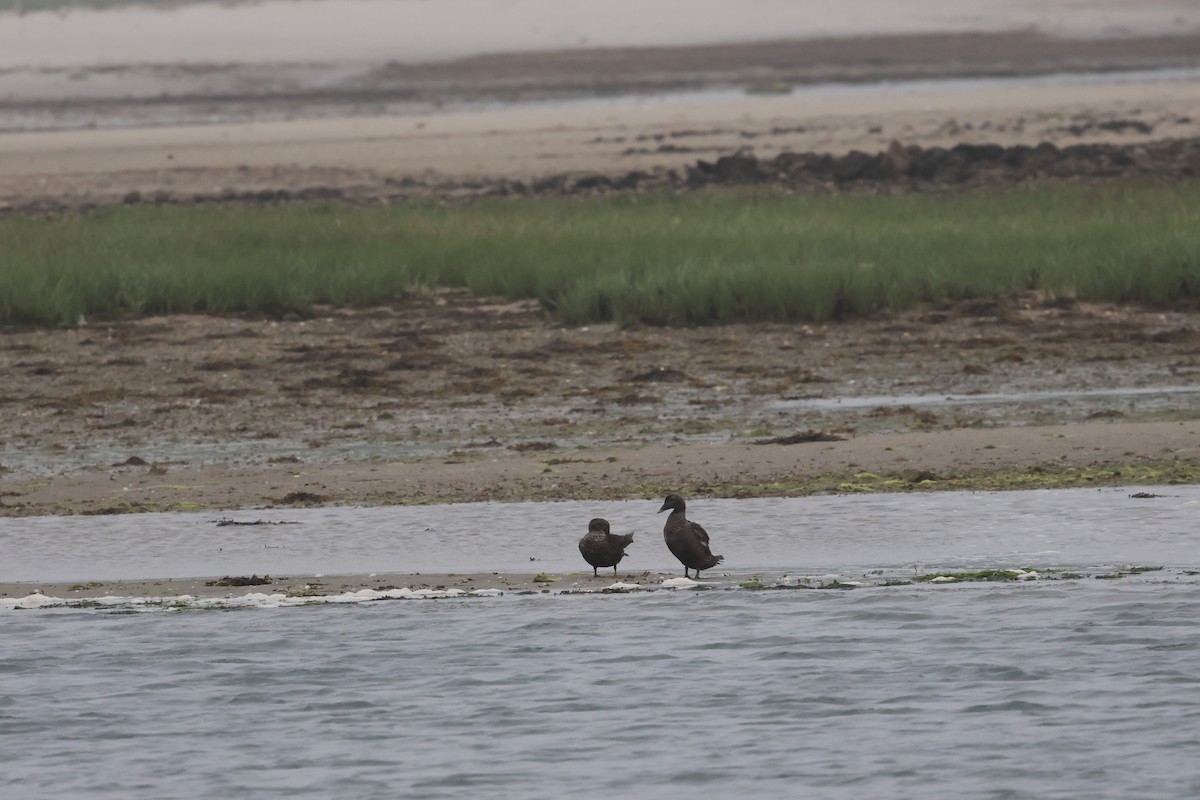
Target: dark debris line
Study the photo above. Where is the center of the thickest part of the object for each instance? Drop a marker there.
(901, 167)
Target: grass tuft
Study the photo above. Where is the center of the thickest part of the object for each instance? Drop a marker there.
(659, 259)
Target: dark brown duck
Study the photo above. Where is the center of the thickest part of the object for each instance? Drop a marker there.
(686, 540)
(601, 548)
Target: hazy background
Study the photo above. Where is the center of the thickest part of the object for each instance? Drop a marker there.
(79, 34)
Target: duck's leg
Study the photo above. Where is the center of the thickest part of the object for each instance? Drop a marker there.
(595, 574)
(614, 570)
(685, 572)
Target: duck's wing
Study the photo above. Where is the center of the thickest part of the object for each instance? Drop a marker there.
(698, 533)
(618, 542)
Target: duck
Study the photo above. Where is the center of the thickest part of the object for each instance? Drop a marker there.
(602, 548)
(686, 540)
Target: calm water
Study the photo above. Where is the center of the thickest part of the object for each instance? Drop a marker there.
(1040, 689)
(1073, 529)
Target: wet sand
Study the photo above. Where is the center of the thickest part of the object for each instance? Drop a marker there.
(611, 473)
(324, 585)
(297, 589)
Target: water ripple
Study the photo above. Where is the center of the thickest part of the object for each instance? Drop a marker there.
(1031, 689)
(850, 534)
(992, 692)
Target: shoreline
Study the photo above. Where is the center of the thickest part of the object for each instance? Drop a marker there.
(972, 459)
(589, 149)
(321, 586)
(322, 589)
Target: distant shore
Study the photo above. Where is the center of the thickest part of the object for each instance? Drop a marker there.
(100, 33)
(449, 156)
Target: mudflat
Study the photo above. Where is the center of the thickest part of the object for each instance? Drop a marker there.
(446, 397)
(450, 397)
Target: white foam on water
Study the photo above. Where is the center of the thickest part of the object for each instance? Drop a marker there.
(828, 577)
(680, 583)
(31, 601)
(250, 600)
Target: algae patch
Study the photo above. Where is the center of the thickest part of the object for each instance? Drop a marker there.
(979, 575)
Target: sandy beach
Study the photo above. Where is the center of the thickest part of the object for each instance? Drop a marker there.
(385, 159)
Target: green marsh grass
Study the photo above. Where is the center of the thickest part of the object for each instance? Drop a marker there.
(661, 259)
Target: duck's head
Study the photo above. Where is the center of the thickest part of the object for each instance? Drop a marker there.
(598, 524)
(673, 502)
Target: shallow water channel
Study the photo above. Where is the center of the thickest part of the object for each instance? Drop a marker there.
(850, 533)
(1049, 688)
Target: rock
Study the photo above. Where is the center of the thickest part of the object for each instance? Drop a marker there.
(555, 184)
(897, 159)
(593, 182)
(735, 169)
(631, 180)
(859, 166)
(978, 153)
(927, 163)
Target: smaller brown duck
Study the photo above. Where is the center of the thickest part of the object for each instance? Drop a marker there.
(686, 540)
(601, 548)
